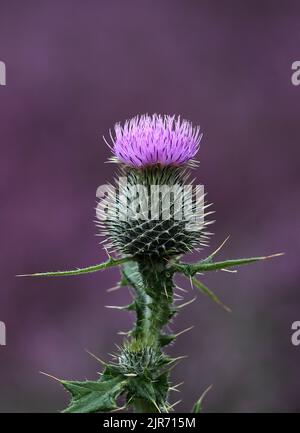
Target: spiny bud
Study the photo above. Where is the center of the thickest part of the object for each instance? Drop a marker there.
(138, 358)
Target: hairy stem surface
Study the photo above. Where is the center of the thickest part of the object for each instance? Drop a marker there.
(153, 303)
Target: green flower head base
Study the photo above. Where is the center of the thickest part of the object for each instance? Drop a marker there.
(148, 234)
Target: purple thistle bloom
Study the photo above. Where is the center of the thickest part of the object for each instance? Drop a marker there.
(149, 140)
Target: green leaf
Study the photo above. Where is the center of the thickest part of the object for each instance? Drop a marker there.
(203, 266)
(209, 293)
(149, 395)
(108, 264)
(142, 388)
(162, 387)
(197, 408)
(166, 339)
(94, 396)
(110, 372)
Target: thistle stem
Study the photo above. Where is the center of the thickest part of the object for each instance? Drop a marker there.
(153, 287)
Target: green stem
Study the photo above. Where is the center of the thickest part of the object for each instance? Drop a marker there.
(153, 303)
(153, 287)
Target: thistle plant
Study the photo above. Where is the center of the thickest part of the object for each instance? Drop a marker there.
(150, 216)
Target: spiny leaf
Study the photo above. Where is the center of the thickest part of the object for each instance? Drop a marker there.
(214, 253)
(141, 388)
(153, 392)
(209, 293)
(108, 264)
(203, 266)
(166, 339)
(162, 387)
(94, 396)
(129, 307)
(197, 408)
(110, 372)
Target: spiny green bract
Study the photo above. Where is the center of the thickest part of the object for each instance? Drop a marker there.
(139, 357)
(156, 213)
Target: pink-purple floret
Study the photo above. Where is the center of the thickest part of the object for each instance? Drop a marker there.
(149, 140)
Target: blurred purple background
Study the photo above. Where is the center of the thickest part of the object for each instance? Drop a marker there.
(74, 68)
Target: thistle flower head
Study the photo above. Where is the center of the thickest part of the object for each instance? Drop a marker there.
(150, 140)
(152, 210)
